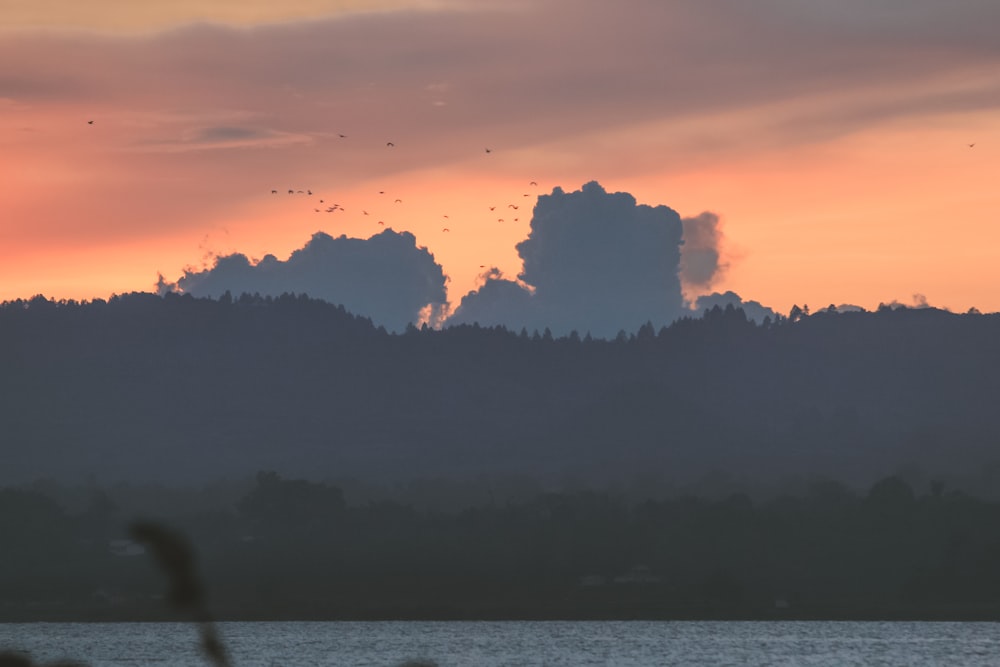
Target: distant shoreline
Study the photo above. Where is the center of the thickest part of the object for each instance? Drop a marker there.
(990, 614)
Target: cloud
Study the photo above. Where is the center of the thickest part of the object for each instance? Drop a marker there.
(594, 262)
(226, 136)
(754, 309)
(126, 17)
(386, 277)
(499, 301)
(917, 302)
(525, 73)
(701, 265)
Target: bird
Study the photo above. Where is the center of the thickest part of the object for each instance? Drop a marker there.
(444, 216)
(389, 144)
(512, 206)
(90, 122)
(274, 192)
(316, 209)
(365, 212)
(381, 192)
(499, 219)
(398, 201)
(525, 195)
(381, 223)
(445, 230)
(971, 145)
(489, 150)
(291, 192)
(533, 183)
(492, 207)
(342, 136)
(309, 192)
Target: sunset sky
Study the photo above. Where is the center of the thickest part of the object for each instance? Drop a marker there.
(831, 138)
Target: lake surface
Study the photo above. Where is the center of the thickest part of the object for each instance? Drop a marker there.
(517, 643)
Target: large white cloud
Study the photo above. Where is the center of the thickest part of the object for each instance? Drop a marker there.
(386, 277)
(594, 262)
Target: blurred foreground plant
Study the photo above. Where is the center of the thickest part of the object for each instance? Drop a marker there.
(185, 592)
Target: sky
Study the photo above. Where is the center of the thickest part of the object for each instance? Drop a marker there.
(816, 153)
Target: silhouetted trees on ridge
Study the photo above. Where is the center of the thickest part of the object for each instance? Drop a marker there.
(178, 388)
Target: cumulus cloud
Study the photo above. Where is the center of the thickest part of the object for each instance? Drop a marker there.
(754, 309)
(386, 277)
(594, 262)
(499, 302)
(701, 263)
(917, 302)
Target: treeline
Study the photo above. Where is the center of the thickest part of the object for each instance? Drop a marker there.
(178, 389)
(294, 549)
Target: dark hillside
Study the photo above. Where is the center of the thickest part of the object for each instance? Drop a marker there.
(181, 389)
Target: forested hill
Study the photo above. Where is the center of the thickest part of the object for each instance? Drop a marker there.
(181, 389)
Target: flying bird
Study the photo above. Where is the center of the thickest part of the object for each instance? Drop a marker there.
(971, 145)
(492, 207)
(389, 144)
(274, 192)
(512, 206)
(532, 183)
(489, 150)
(445, 230)
(342, 136)
(365, 212)
(381, 223)
(90, 122)
(398, 201)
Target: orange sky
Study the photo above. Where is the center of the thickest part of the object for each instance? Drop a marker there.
(833, 146)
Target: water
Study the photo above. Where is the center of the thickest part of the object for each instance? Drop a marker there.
(512, 643)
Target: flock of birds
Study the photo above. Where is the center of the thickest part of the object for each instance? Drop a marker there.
(333, 208)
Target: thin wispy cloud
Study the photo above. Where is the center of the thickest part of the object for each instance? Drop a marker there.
(224, 137)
